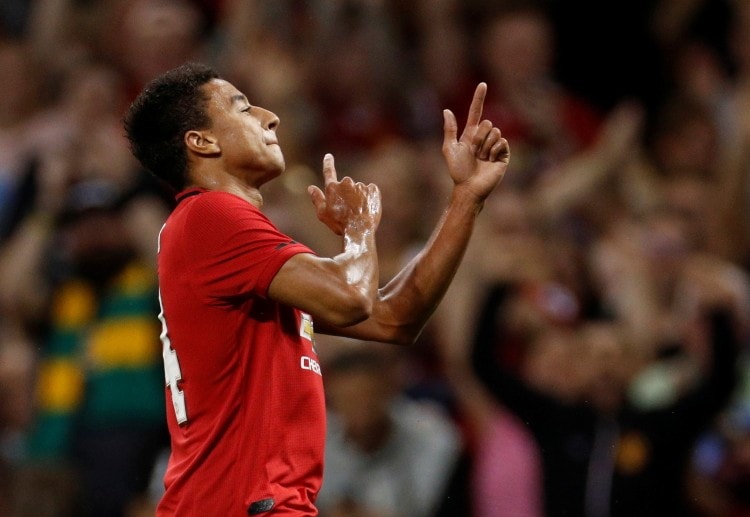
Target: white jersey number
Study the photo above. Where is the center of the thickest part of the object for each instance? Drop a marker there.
(172, 372)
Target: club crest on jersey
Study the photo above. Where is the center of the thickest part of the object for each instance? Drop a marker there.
(306, 329)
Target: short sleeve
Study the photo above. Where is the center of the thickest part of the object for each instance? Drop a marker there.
(234, 248)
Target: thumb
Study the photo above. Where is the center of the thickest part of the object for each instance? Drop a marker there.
(450, 128)
(317, 197)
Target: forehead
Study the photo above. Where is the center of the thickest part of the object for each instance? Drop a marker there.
(224, 94)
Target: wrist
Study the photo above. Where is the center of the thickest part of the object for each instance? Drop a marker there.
(465, 200)
(360, 225)
(358, 236)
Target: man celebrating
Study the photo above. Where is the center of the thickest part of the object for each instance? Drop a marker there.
(246, 410)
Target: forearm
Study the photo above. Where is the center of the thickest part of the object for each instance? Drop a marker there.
(46, 27)
(339, 291)
(21, 257)
(403, 306)
(573, 181)
(476, 161)
(420, 286)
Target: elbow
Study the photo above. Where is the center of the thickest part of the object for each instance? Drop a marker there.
(402, 335)
(403, 340)
(354, 308)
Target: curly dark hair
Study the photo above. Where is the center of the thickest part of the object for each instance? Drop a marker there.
(156, 122)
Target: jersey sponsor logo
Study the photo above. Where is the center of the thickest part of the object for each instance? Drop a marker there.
(308, 363)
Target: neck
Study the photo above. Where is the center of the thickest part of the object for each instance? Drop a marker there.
(250, 194)
(231, 184)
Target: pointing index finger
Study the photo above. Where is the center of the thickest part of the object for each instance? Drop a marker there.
(329, 171)
(477, 105)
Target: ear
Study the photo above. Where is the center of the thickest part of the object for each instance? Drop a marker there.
(202, 142)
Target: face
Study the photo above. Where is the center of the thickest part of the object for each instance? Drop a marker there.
(98, 245)
(518, 48)
(606, 365)
(551, 367)
(361, 399)
(157, 36)
(245, 134)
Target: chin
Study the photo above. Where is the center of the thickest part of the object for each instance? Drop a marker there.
(272, 173)
(276, 159)
(278, 168)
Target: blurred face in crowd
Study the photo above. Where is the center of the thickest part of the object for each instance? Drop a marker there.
(685, 142)
(158, 35)
(401, 184)
(666, 248)
(18, 84)
(690, 200)
(92, 92)
(98, 244)
(361, 395)
(605, 363)
(517, 48)
(551, 365)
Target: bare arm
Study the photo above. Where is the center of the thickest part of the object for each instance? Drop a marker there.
(477, 161)
(579, 176)
(24, 289)
(341, 289)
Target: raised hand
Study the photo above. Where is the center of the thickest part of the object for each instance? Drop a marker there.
(345, 202)
(477, 161)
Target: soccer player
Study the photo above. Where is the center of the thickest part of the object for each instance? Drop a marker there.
(238, 298)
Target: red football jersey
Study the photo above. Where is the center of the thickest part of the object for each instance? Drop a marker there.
(245, 403)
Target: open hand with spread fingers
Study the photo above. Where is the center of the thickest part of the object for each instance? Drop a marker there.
(478, 159)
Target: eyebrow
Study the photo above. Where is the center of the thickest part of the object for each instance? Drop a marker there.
(239, 98)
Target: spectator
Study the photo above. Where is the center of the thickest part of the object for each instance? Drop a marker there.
(516, 49)
(603, 454)
(632, 211)
(386, 455)
(99, 412)
(17, 106)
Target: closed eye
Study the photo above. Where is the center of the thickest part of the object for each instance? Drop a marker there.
(247, 109)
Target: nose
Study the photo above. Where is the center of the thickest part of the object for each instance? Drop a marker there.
(271, 121)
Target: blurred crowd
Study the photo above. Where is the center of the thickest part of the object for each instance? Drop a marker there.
(592, 357)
